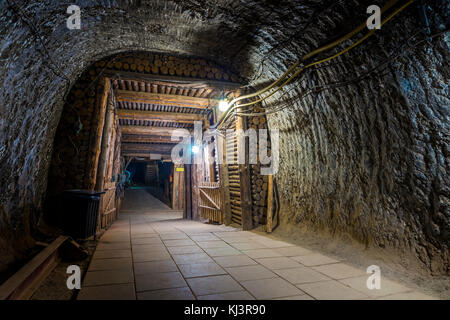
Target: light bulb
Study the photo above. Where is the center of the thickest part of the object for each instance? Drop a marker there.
(223, 105)
(195, 149)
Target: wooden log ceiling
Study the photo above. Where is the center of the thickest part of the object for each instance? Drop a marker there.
(151, 108)
(153, 147)
(159, 116)
(155, 131)
(165, 99)
(126, 138)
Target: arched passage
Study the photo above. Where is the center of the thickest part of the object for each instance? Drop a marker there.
(364, 137)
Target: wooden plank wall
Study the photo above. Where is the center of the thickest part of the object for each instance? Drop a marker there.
(244, 190)
(178, 187)
(259, 183)
(223, 179)
(234, 179)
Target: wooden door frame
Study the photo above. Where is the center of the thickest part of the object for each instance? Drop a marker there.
(187, 210)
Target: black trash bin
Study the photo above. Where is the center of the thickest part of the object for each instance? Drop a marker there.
(79, 213)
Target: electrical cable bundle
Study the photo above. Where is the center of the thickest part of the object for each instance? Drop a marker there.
(298, 67)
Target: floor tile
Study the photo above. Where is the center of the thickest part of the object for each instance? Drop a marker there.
(250, 273)
(110, 264)
(113, 246)
(111, 292)
(221, 234)
(175, 243)
(191, 258)
(314, 259)
(235, 261)
(387, 287)
(278, 263)
(152, 267)
(213, 284)
(221, 252)
(150, 256)
(237, 239)
(331, 290)
(154, 249)
(301, 275)
(293, 251)
(340, 271)
(144, 235)
(174, 236)
(185, 249)
(271, 288)
(201, 269)
(409, 296)
(107, 277)
(204, 237)
(136, 241)
(116, 233)
(300, 297)
(148, 247)
(270, 243)
(109, 254)
(115, 238)
(237, 295)
(167, 294)
(165, 280)
(212, 244)
(261, 253)
(248, 245)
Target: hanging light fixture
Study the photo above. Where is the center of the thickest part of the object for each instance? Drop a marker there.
(195, 149)
(223, 103)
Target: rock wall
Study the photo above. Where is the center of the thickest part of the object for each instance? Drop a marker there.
(41, 59)
(368, 159)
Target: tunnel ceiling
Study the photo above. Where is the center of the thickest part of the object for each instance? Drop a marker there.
(365, 153)
(152, 107)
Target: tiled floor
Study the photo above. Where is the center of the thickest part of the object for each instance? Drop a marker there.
(150, 252)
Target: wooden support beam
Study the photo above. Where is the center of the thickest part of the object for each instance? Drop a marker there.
(27, 280)
(151, 155)
(98, 121)
(148, 139)
(159, 116)
(165, 99)
(244, 172)
(156, 131)
(171, 80)
(269, 204)
(224, 181)
(111, 152)
(154, 148)
(105, 145)
(187, 213)
(178, 187)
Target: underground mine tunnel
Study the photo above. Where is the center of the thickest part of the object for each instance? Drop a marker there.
(228, 149)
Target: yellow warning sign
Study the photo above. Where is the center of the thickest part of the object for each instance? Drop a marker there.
(179, 169)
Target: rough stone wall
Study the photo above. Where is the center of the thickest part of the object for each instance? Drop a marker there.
(37, 71)
(367, 159)
(370, 159)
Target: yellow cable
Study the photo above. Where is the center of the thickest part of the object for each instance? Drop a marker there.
(326, 59)
(347, 36)
(251, 95)
(309, 55)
